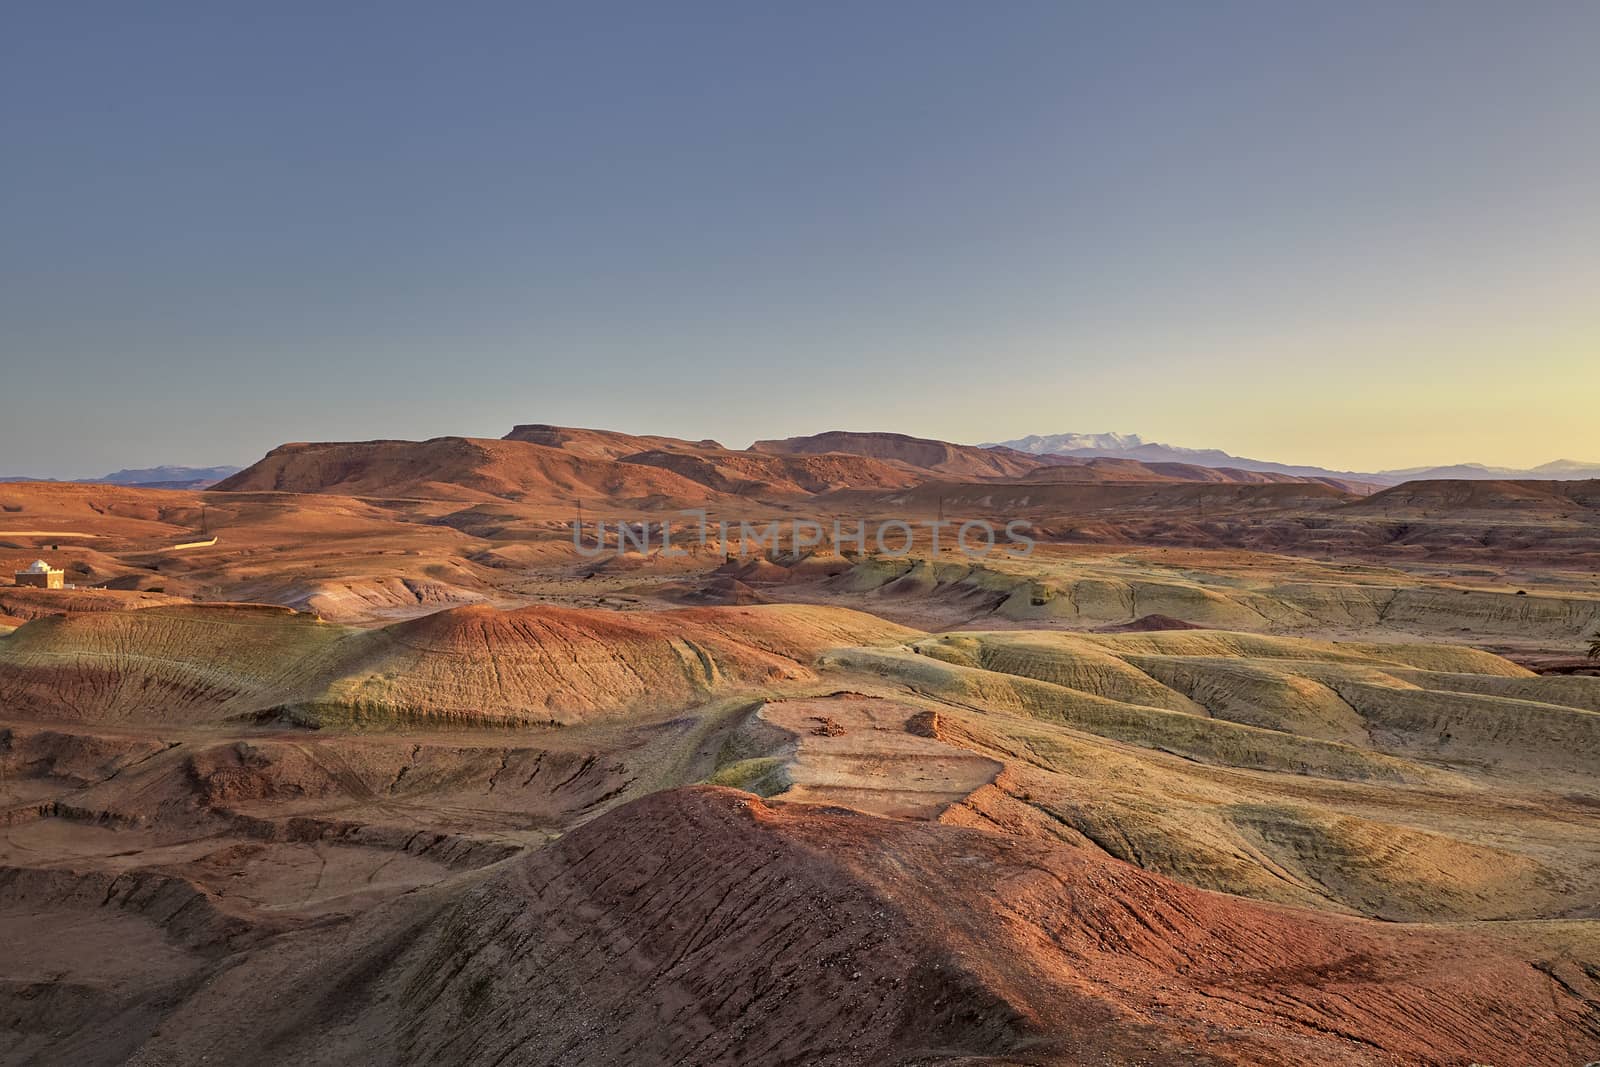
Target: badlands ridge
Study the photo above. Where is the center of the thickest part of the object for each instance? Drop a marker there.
(1231, 769)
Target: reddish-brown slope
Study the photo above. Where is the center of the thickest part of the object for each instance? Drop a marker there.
(941, 457)
(703, 926)
(458, 468)
(549, 464)
(576, 464)
(32, 512)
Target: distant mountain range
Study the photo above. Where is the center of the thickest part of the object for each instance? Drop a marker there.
(1092, 453)
(1132, 446)
(547, 464)
(167, 477)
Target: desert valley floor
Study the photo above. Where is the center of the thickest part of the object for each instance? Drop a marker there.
(1231, 769)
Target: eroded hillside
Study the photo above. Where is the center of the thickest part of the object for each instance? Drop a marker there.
(395, 763)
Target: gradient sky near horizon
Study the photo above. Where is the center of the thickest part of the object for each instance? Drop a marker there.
(1361, 235)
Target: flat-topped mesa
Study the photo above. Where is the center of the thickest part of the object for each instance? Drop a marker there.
(1526, 497)
(940, 457)
(459, 468)
(608, 444)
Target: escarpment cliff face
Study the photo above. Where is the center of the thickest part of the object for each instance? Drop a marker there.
(746, 473)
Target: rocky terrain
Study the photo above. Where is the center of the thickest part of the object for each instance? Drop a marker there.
(1253, 771)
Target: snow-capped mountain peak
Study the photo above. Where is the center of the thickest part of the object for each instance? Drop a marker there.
(1056, 443)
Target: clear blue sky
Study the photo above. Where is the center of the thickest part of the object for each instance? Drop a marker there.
(1357, 234)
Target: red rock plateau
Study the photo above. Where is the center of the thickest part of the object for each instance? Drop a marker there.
(355, 758)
